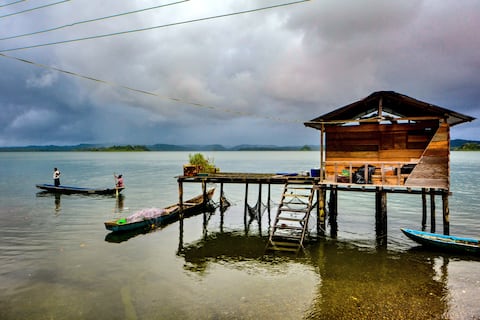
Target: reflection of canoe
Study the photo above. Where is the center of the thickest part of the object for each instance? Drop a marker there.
(444, 242)
(70, 190)
(150, 218)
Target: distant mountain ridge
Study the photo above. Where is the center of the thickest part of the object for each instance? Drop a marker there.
(159, 147)
(454, 144)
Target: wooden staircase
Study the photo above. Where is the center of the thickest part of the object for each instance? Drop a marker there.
(291, 222)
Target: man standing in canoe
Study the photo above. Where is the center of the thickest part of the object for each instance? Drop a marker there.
(56, 177)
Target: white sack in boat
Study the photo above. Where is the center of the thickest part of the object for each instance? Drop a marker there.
(145, 214)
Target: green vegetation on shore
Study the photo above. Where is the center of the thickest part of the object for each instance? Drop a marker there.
(157, 147)
(469, 146)
(119, 148)
(455, 145)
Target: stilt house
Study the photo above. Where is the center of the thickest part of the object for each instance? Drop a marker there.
(387, 139)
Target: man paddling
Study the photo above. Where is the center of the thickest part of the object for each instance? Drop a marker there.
(119, 180)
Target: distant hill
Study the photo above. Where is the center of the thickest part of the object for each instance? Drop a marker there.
(456, 144)
(460, 144)
(157, 147)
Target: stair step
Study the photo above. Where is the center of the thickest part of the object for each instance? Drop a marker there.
(284, 243)
(287, 236)
(296, 195)
(284, 246)
(295, 201)
(290, 218)
(294, 210)
(299, 188)
(285, 227)
(276, 248)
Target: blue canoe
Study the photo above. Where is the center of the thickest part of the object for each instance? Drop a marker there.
(70, 190)
(444, 242)
(151, 218)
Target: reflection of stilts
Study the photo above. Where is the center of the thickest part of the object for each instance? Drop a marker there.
(119, 203)
(180, 237)
(57, 203)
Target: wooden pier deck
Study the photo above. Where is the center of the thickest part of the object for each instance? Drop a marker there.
(328, 207)
(240, 177)
(276, 178)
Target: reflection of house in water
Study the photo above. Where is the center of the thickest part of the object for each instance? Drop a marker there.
(230, 246)
(353, 283)
(356, 284)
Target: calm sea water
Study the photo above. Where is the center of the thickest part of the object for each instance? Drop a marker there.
(58, 261)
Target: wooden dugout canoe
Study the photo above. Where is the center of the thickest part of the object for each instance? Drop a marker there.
(444, 242)
(71, 190)
(155, 217)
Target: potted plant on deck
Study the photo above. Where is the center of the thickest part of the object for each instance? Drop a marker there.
(198, 164)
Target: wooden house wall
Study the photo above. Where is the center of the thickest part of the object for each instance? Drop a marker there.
(433, 169)
(375, 143)
(379, 142)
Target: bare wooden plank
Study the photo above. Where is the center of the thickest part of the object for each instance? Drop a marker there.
(353, 156)
(401, 154)
(427, 183)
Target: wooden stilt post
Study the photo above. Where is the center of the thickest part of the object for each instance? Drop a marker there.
(332, 211)
(259, 201)
(180, 198)
(321, 193)
(180, 236)
(269, 200)
(381, 215)
(432, 210)
(269, 197)
(221, 197)
(245, 208)
(424, 209)
(204, 192)
(259, 209)
(446, 213)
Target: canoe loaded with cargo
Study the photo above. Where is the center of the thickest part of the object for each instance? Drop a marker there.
(153, 217)
(444, 242)
(71, 190)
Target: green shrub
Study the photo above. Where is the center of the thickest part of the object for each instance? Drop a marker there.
(203, 164)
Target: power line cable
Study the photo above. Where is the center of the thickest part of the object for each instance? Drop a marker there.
(9, 4)
(91, 20)
(154, 27)
(33, 9)
(149, 93)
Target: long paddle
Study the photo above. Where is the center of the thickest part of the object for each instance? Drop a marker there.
(115, 183)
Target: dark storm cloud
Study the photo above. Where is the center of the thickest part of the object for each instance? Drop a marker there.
(232, 78)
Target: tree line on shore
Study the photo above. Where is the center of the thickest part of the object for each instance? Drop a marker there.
(455, 145)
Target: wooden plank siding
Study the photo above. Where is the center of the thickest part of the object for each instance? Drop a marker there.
(433, 167)
(388, 147)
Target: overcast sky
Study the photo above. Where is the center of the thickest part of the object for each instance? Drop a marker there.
(250, 78)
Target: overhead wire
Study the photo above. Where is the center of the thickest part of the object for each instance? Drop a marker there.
(145, 92)
(33, 9)
(154, 27)
(92, 20)
(11, 3)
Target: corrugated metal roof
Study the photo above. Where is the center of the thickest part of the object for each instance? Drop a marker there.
(392, 103)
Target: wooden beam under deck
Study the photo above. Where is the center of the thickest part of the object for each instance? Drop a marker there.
(272, 178)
